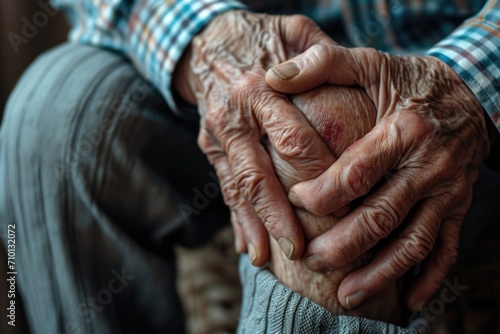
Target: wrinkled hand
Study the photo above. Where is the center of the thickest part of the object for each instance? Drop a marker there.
(223, 73)
(341, 115)
(430, 136)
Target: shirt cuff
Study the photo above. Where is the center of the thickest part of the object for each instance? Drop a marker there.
(159, 31)
(472, 52)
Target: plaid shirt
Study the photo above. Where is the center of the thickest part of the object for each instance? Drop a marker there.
(154, 33)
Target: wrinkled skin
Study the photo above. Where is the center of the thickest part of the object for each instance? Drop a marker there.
(341, 116)
(430, 134)
(223, 74)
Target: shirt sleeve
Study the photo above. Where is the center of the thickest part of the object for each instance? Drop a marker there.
(473, 51)
(152, 33)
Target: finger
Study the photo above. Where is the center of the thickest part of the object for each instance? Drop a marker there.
(254, 233)
(325, 62)
(446, 249)
(248, 227)
(293, 28)
(253, 236)
(294, 140)
(258, 184)
(370, 222)
(294, 160)
(442, 258)
(358, 169)
(239, 241)
(288, 131)
(411, 247)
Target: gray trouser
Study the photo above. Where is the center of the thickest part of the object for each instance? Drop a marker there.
(93, 170)
(100, 180)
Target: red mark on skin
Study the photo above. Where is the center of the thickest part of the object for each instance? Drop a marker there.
(331, 133)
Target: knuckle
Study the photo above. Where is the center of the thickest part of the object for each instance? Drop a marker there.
(293, 143)
(230, 194)
(269, 218)
(303, 24)
(212, 151)
(413, 125)
(318, 53)
(247, 85)
(416, 248)
(369, 55)
(204, 141)
(246, 214)
(251, 183)
(216, 120)
(392, 131)
(232, 111)
(302, 21)
(354, 181)
(379, 221)
(442, 203)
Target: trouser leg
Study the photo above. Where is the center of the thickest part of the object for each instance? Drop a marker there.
(100, 181)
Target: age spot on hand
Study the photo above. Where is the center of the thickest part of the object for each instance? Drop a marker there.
(331, 133)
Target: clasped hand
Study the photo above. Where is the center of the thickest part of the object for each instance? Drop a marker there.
(430, 136)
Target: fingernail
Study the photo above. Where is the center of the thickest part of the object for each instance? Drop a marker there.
(355, 299)
(315, 263)
(286, 71)
(286, 246)
(252, 253)
(294, 199)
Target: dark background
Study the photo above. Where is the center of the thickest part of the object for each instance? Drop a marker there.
(12, 64)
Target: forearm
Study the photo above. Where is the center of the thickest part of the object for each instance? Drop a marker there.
(472, 52)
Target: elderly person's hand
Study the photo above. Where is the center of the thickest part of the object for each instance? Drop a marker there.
(341, 115)
(223, 74)
(428, 142)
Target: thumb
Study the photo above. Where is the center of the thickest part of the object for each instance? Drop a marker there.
(322, 63)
